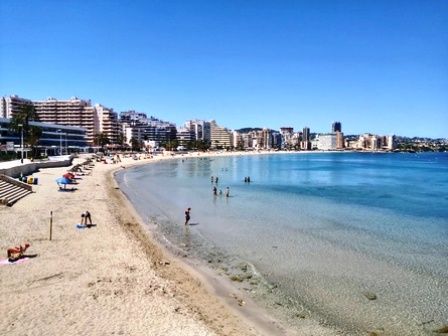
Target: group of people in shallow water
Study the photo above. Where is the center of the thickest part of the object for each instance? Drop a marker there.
(215, 190)
(214, 179)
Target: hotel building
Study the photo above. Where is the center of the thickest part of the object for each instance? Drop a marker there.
(220, 136)
(77, 112)
(11, 105)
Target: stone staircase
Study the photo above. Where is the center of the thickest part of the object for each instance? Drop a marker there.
(12, 190)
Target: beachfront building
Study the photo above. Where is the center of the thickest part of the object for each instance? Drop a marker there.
(264, 139)
(340, 144)
(389, 142)
(247, 140)
(146, 130)
(77, 112)
(221, 137)
(106, 122)
(55, 139)
(305, 144)
(185, 137)
(276, 140)
(286, 134)
(146, 133)
(326, 142)
(200, 128)
(11, 105)
(237, 139)
(73, 112)
(375, 142)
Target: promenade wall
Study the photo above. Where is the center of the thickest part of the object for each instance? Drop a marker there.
(28, 167)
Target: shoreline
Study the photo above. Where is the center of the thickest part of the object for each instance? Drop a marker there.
(227, 270)
(112, 278)
(230, 292)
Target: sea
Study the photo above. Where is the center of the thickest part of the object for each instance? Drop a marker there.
(355, 241)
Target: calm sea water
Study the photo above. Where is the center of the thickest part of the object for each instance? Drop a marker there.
(311, 233)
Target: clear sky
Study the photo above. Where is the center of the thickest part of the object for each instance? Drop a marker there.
(376, 66)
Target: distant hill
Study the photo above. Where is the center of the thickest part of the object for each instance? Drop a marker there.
(249, 129)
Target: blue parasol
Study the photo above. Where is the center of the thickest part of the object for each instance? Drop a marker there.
(63, 180)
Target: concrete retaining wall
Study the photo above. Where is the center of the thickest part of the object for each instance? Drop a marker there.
(31, 167)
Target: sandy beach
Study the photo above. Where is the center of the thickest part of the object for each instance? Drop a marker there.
(110, 279)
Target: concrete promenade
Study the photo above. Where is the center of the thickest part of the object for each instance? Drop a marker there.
(15, 168)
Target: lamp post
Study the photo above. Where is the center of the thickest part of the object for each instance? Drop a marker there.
(21, 141)
(66, 147)
(60, 141)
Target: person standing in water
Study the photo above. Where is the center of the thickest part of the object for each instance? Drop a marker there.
(227, 192)
(187, 216)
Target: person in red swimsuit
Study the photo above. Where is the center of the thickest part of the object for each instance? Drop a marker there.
(15, 253)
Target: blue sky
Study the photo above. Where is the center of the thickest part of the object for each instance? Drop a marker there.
(376, 66)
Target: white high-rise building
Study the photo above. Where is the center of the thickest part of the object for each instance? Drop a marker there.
(10, 105)
(201, 129)
(220, 136)
(77, 112)
(327, 142)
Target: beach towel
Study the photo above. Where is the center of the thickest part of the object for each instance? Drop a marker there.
(7, 262)
(79, 226)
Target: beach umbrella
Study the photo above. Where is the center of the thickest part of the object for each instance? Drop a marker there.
(63, 180)
(69, 176)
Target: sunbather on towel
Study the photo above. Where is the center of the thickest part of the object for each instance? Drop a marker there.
(15, 253)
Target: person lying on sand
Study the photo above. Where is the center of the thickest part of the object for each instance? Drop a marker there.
(15, 253)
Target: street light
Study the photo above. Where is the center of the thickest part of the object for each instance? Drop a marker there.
(66, 147)
(21, 141)
(60, 141)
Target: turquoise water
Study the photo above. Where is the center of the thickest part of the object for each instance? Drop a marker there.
(312, 232)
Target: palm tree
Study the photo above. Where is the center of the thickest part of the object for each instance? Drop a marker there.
(26, 114)
(134, 143)
(101, 139)
(121, 139)
(20, 122)
(33, 138)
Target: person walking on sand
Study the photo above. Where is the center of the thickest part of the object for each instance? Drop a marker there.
(187, 216)
(227, 192)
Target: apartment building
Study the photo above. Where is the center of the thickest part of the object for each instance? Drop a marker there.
(11, 105)
(220, 136)
(201, 129)
(106, 122)
(184, 136)
(327, 142)
(73, 112)
(305, 144)
(340, 140)
(77, 112)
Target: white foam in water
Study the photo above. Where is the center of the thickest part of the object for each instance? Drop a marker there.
(321, 229)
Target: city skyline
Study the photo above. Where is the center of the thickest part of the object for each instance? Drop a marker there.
(378, 67)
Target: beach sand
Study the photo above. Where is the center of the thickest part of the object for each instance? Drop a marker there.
(111, 279)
